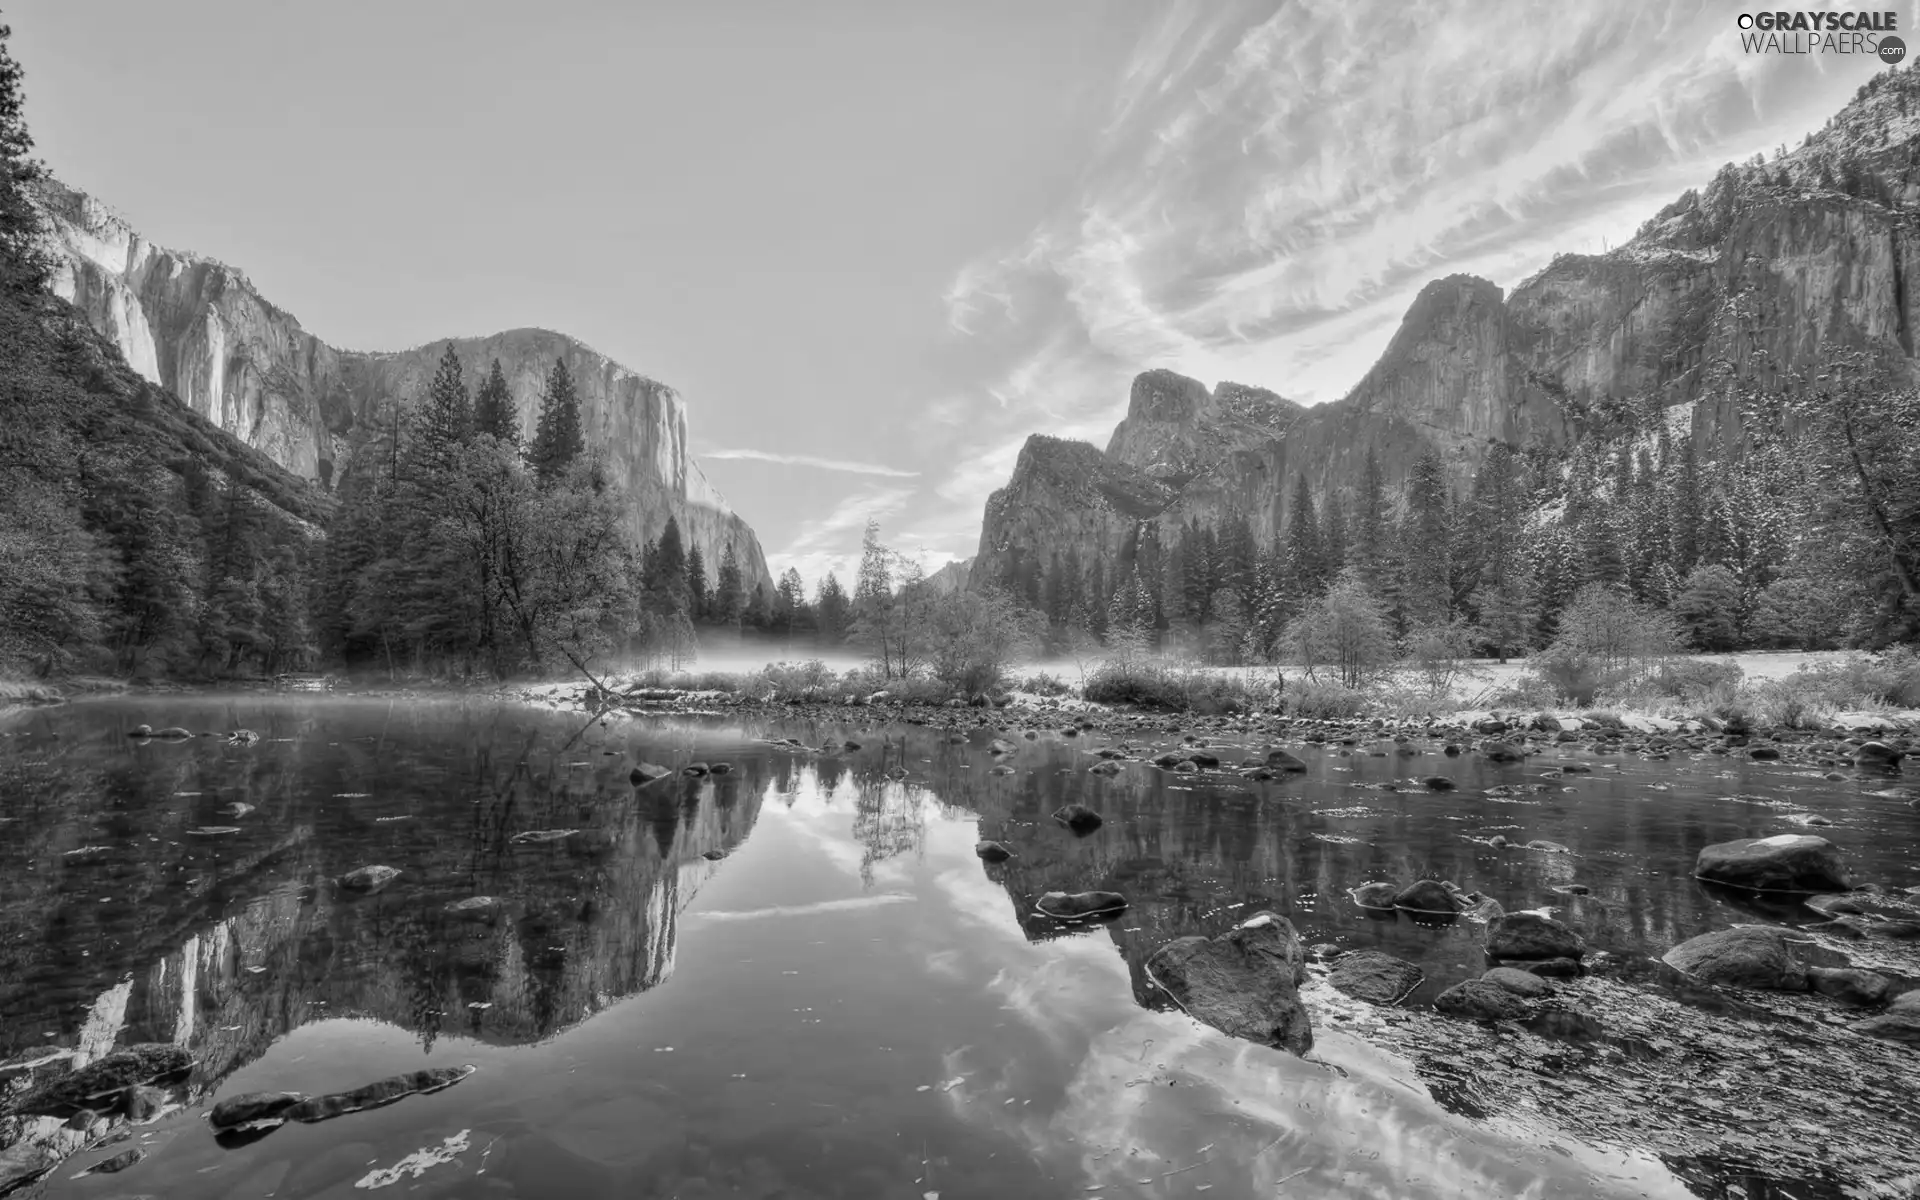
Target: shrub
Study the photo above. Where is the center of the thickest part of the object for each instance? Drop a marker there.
(1043, 684)
(1604, 718)
(1698, 679)
(1145, 687)
(975, 635)
(1607, 642)
(1324, 700)
(1346, 629)
(1439, 654)
(812, 677)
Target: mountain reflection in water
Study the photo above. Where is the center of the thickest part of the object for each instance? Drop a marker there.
(858, 1006)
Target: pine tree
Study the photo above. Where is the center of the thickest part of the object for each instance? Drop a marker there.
(1333, 538)
(729, 592)
(493, 410)
(1371, 531)
(557, 439)
(1426, 545)
(832, 609)
(444, 423)
(23, 269)
(1303, 557)
(664, 572)
(696, 583)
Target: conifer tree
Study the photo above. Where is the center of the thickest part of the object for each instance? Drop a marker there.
(696, 583)
(1303, 557)
(729, 593)
(445, 420)
(1371, 531)
(832, 609)
(1426, 545)
(557, 439)
(493, 410)
(23, 269)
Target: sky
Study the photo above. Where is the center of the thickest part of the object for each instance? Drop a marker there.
(876, 244)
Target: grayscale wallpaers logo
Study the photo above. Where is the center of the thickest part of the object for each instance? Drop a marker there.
(1870, 34)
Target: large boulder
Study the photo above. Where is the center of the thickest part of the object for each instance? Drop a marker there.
(1849, 985)
(1522, 936)
(1374, 977)
(248, 1107)
(1789, 862)
(1521, 983)
(1282, 760)
(1879, 756)
(1751, 956)
(1378, 894)
(1480, 1000)
(1244, 982)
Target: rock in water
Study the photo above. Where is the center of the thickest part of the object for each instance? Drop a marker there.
(25, 1161)
(1078, 905)
(1789, 862)
(1749, 956)
(1525, 935)
(1374, 977)
(1078, 817)
(1520, 983)
(1480, 1000)
(1439, 783)
(116, 1164)
(993, 852)
(1502, 752)
(1244, 982)
(646, 772)
(1879, 756)
(1426, 895)
(1849, 985)
(252, 1106)
(1376, 895)
(173, 733)
(369, 879)
(375, 1095)
(1900, 1023)
(1281, 760)
(122, 1069)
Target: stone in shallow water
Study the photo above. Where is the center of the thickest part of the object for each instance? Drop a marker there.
(993, 852)
(1520, 983)
(1439, 783)
(1749, 956)
(1073, 905)
(647, 772)
(1377, 895)
(1900, 1023)
(1244, 982)
(1526, 935)
(1480, 1000)
(1789, 862)
(1849, 985)
(252, 1106)
(1078, 817)
(1426, 895)
(1374, 977)
(369, 879)
(375, 1095)
(1281, 760)
(123, 1068)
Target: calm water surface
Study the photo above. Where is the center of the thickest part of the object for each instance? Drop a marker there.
(795, 979)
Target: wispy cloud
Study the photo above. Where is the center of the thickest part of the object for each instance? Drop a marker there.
(808, 460)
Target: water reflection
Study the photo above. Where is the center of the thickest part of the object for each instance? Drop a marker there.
(856, 997)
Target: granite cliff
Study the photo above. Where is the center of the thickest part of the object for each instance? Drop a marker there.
(203, 330)
(1730, 293)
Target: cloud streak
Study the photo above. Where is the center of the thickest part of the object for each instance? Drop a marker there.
(808, 460)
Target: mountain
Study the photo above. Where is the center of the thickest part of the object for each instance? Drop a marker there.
(201, 329)
(1727, 295)
(950, 578)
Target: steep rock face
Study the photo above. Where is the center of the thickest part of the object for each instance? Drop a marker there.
(1729, 293)
(201, 328)
(1063, 496)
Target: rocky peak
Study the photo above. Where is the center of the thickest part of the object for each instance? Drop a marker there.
(201, 329)
(1176, 430)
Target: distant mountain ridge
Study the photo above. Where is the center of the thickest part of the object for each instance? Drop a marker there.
(1726, 293)
(202, 329)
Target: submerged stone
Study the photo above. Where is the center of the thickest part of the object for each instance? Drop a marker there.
(1520, 983)
(1244, 982)
(993, 852)
(1374, 977)
(646, 772)
(1281, 760)
(1078, 817)
(369, 879)
(1376, 895)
